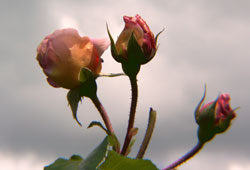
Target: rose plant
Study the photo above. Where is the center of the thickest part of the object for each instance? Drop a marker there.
(74, 63)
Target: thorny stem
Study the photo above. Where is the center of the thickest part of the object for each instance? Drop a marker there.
(128, 137)
(105, 117)
(185, 157)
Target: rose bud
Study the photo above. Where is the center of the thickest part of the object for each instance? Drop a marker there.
(135, 45)
(142, 34)
(214, 117)
(63, 53)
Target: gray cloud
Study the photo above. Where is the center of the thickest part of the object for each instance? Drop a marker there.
(204, 42)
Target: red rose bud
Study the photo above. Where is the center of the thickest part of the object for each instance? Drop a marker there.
(214, 117)
(136, 45)
(63, 53)
(143, 35)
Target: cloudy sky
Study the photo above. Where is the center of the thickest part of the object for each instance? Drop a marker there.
(205, 41)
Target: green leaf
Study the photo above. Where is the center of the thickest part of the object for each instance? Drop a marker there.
(114, 142)
(64, 164)
(74, 97)
(131, 144)
(132, 133)
(148, 134)
(115, 161)
(96, 123)
(95, 157)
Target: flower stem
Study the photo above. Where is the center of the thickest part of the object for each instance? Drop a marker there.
(106, 120)
(103, 113)
(134, 87)
(185, 157)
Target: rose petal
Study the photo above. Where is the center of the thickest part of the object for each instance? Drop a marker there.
(52, 83)
(64, 39)
(101, 45)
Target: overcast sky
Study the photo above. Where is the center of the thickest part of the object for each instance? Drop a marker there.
(205, 41)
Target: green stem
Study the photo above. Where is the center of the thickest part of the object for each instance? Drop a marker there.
(185, 157)
(148, 134)
(111, 75)
(103, 113)
(134, 87)
(105, 118)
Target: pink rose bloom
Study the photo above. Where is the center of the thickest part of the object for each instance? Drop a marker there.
(142, 33)
(63, 53)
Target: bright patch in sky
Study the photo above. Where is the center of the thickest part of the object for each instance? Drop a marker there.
(239, 167)
(68, 22)
(23, 162)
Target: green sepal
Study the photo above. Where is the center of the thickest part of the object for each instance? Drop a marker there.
(222, 125)
(87, 88)
(88, 85)
(66, 164)
(148, 59)
(206, 122)
(118, 57)
(205, 134)
(85, 75)
(74, 97)
(153, 50)
(198, 107)
(132, 65)
(114, 161)
(95, 158)
(130, 69)
(134, 50)
(135, 55)
(207, 116)
(157, 36)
